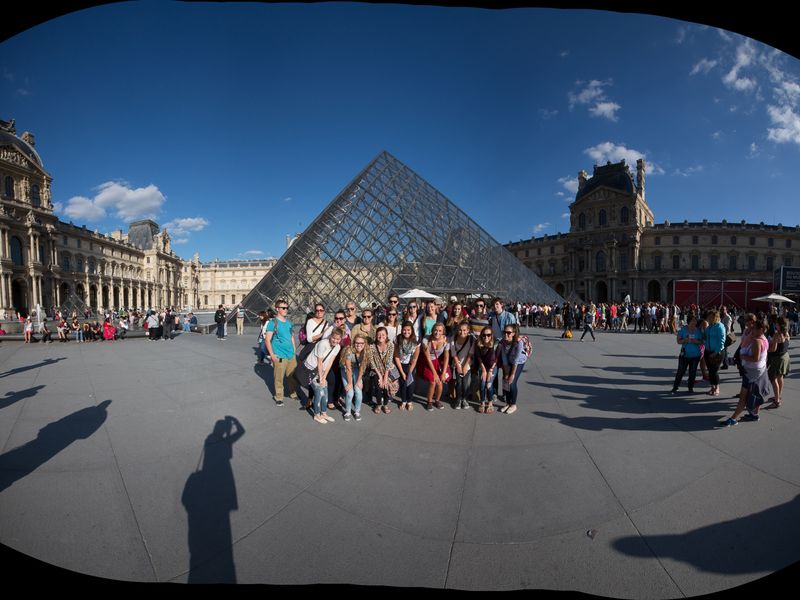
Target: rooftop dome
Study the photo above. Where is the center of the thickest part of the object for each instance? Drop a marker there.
(613, 175)
(9, 139)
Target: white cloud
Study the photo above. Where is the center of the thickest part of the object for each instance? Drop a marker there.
(609, 152)
(254, 253)
(689, 171)
(83, 209)
(570, 183)
(547, 114)
(540, 227)
(606, 110)
(23, 92)
(680, 37)
(725, 35)
(58, 207)
(745, 54)
(564, 53)
(565, 215)
(591, 93)
(560, 194)
(181, 227)
(289, 199)
(787, 123)
(703, 66)
(716, 135)
(755, 151)
(180, 240)
(118, 200)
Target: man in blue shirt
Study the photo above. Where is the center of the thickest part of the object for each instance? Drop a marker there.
(279, 341)
(499, 318)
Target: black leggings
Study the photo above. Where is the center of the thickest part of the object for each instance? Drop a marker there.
(406, 391)
(382, 395)
(713, 367)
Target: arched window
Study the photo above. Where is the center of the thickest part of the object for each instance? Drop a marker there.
(92, 267)
(601, 261)
(79, 265)
(602, 218)
(9, 188)
(582, 221)
(36, 199)
(624, 215)
(65, 262)
(16, 251)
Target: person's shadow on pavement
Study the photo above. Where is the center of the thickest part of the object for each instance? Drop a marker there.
(209, 496)
(52, 439)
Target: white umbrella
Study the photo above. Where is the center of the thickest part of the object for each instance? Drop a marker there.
(774, 298)
(415, 293)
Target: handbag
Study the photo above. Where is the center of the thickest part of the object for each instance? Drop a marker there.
(730, 338)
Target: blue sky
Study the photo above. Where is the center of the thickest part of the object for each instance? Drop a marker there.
(236, 124)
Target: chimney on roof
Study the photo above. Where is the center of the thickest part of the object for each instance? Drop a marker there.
(583, 177)
(640, 170)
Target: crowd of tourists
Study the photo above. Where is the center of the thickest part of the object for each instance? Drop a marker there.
(464, 354)
(762, 357)
(111, 325)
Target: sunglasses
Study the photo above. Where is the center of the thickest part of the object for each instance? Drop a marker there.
(486, 335)
(338, 318)
(412, 306)
(392, 314)
(393, 301)
(366, 316)
(509, 332)
(283, 308)
(351, 308)
(319, 310)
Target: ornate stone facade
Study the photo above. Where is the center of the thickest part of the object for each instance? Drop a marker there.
(228, 282)
(614, 248)
(45, 261)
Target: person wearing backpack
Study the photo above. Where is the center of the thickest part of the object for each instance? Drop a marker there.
(588, 322)
(279, 341)
(512, 360)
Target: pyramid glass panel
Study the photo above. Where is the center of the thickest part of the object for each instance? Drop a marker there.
(371, 239)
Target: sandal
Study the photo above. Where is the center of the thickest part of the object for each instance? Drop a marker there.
(386, 410)
(377, 410)
(482, 408)
(409, 407)
(489, 409)
(773, 404)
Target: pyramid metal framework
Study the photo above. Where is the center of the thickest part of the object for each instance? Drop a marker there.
(390, 230)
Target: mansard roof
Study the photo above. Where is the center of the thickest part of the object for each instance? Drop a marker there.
(613, 175)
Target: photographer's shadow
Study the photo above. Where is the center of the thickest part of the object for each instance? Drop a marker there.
(209, 496)
(52, 439)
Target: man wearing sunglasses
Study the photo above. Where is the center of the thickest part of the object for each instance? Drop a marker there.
(279, 341)
(393, 303)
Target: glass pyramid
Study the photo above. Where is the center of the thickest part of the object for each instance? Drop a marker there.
(390, 230)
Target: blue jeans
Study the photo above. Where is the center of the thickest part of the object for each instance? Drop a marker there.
(262, 350)
(354, 392)
(487, 387)
(79, 335)
(511, 396)
(320, 397)
(220, 330)
(186, 327)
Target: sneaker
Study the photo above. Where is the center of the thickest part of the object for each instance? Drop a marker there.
(278, 402)
(728, 422)
(511, 409)
(429, 407)
(673, 391)
(357, 416)
(750, 417)
(347, 417)
(457, 406)
(328, 418)
(439, 405)
(465, 405)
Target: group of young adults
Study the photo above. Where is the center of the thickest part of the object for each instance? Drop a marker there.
(470, 355)
(762, 357)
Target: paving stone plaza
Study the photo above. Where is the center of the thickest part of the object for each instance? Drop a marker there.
(118, 461)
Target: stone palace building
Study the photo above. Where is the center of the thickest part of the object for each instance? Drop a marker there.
(47, 262)
(614, 247)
